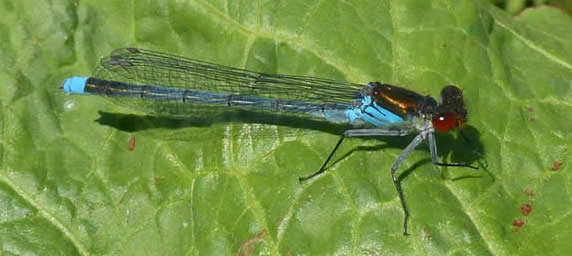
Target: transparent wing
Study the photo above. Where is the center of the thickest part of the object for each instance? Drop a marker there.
(147, 67)
(156, 68)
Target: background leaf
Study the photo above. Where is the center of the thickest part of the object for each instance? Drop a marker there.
(70, 185)
(517, 6)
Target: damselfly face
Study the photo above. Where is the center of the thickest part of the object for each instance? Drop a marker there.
(451, 112)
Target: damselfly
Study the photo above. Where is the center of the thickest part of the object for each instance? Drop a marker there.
(167, 85)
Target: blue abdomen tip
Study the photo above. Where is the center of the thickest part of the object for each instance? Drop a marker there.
(75, 84)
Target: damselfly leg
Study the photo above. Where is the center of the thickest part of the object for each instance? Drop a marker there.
(412, 145)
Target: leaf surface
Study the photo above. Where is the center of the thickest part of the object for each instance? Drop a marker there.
(82, 176)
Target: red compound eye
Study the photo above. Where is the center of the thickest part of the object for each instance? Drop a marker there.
(444, 122)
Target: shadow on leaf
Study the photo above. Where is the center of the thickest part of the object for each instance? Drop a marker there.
(463, 146)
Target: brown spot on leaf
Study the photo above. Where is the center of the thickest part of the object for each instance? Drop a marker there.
(556, 165)
(132, 143)
(248, 247)
(529, 192)
(526, 209)
(518, 223)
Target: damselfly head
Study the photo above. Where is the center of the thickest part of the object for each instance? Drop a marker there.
(451, 112)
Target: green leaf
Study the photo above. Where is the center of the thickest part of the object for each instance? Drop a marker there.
(70, 185)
